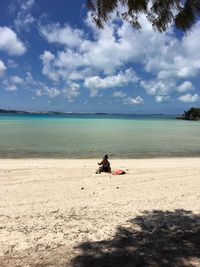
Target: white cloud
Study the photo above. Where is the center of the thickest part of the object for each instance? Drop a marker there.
(116, 45)
(182, 60)
(16, 79)
(47, 58)
(164, 55)
(163, 98)
(110, 50)
(128, 100)
(66, 65)
(2, 68)
(50, 92)
(27, 82)
(30, 81)
(121, 79)
(188, 98)
(24, 18)
(8, 86)
(71, 91)
(12, 64)
(10, 43)
(168, 61)
(134, 101)
(13, 82)
(26, 4)
(185, 86)
(55, 33)
(119, 94)
(23, 22)
(11, 87)
(105, 53)
(155, 87)
(69, 58)
(160, 89)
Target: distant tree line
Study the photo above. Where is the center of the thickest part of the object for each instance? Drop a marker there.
(8, 111)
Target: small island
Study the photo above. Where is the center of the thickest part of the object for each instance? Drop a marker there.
(191, 114)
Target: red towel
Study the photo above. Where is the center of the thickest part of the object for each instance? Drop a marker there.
(119, 172)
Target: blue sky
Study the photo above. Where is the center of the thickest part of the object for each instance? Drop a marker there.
(53, 57)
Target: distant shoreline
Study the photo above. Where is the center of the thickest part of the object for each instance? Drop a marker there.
(3, 111)
(22, 112)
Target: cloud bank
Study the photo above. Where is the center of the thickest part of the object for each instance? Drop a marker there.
(102, 62)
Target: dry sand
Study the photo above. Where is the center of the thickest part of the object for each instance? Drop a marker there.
(55, 212)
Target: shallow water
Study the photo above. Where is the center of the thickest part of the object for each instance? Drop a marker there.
(91, 136)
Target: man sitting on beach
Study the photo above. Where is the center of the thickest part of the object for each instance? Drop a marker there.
(104, 165)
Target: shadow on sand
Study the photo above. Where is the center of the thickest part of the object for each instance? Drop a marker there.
(157, 238)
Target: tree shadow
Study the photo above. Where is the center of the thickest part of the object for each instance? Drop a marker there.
(157, 238)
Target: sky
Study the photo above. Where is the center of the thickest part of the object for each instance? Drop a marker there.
(54, 58)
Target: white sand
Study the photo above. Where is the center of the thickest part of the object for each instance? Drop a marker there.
(48, 206)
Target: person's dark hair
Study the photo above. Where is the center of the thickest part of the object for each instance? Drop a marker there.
(106, 156)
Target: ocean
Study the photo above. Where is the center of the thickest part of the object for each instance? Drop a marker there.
(92, 136)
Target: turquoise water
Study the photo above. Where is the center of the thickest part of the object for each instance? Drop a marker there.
(91, 136)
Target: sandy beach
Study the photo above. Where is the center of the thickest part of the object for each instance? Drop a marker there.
(58, 212)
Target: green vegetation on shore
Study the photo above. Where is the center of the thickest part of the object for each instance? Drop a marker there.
(191, 114)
